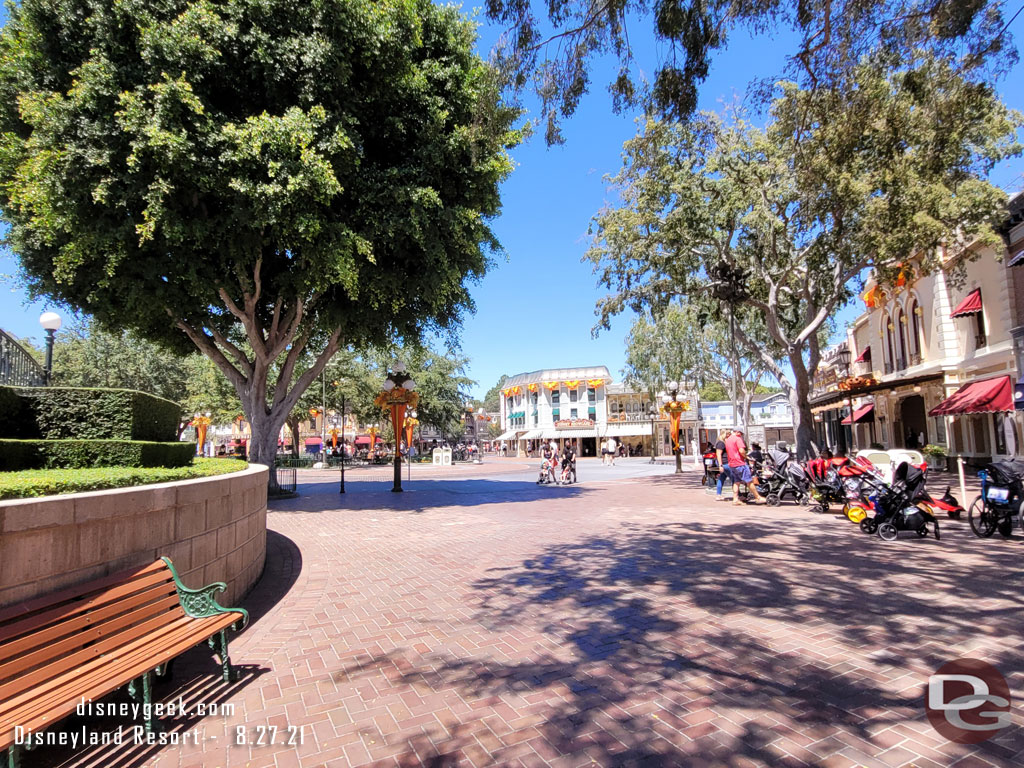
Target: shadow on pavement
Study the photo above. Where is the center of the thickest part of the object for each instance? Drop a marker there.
(421, 495)
(757, 627)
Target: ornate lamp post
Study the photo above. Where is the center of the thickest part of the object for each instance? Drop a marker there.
(398, 394)
(675, 409)
(652, 414)
(844, 360)
(201, 422)
(51, 324)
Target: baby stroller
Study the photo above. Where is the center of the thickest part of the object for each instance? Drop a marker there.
(568, 473)
(547, 472)
(897, 508)
(834, 481)
(781, 477)
(1002, 494)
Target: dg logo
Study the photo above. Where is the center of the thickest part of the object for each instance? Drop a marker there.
(968, 701)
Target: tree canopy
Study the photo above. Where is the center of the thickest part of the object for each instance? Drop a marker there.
(287, 176)
(786, 219)
(554, 46)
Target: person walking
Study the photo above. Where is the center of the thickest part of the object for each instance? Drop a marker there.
(736, 451)
(723, 468)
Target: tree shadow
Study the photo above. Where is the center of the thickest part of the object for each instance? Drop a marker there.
(726, 643)
(420, 495)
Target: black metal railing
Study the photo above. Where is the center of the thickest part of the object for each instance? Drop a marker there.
(915, 358)
(17, 366)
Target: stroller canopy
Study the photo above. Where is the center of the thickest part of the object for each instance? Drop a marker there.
(910, 477)
(1007, 472)
(779, 458)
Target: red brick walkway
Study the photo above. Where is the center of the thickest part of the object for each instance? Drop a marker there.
(626, 624)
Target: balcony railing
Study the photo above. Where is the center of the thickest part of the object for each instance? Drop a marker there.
(18, 367)
(901, 363)
(888, 368)
(915, 358)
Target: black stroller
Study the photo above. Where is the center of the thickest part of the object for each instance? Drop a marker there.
(896, 507)
(1002, 494)
(781, 477)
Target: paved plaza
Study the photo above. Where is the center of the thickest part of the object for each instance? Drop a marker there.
(479, 619)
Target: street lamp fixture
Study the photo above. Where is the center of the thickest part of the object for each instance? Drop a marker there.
(843, 357)
(675, 408)
(51, 324)
(399, 395)
(652, 414)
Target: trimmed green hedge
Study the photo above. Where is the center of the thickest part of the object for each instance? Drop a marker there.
(71, 454)
(49, 482)
(17, 417)
(82, 413)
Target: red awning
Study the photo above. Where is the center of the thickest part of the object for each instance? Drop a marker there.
(865, 356)
(971, 305)
(312, 441)
(862, 414)
(365, 440)
(987, 396)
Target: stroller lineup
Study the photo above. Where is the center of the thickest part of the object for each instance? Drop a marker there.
(885, 508)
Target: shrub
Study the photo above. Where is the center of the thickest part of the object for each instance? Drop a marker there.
(17, 416)
(20, 454)
(49, 482)
(102, 414)
(53, 454)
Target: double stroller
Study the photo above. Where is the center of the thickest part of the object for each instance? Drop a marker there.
(835, 481)
(1002, 496)
(898, 506)
(781, 476)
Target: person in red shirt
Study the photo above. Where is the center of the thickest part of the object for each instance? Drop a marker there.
(736, 450)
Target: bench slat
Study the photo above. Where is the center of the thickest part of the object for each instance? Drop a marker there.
(121, 624)
(85, 602)
(37, 604)
(84, 621)
(31, 713)
(76, 659)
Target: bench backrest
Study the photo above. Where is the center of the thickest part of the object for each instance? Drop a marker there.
(49, 636)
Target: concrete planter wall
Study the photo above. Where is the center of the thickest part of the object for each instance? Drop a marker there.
(213, 529)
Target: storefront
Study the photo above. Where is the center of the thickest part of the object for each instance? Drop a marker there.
(981, 421)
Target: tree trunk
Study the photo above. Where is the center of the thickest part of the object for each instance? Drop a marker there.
(263, 445)
(294, 428)
(803, 419)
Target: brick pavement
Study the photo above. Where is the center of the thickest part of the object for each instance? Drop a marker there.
(621, 624)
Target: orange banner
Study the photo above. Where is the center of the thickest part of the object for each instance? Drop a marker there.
(595, 383)
(673, 419)
(572, 384)
(551, 384)
(532, 387)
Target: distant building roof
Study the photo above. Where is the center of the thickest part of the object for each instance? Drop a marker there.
(559, 374)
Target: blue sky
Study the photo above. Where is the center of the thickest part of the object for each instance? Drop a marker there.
(536, 309)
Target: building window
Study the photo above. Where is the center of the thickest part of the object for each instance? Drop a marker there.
(573, 413)
(556, 397)
(574, 395)
(555, 414)
(915, 322)
(591, 395)
(901, 361)
(1006, 433)
(980, 340)
(888, 328)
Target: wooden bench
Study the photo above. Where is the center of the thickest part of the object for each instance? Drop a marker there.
(89, 640)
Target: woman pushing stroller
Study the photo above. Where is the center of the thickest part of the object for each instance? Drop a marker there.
(739, 469)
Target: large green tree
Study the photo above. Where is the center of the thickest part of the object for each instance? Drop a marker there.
(784, 220)
(552, 46)
(261, 179)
